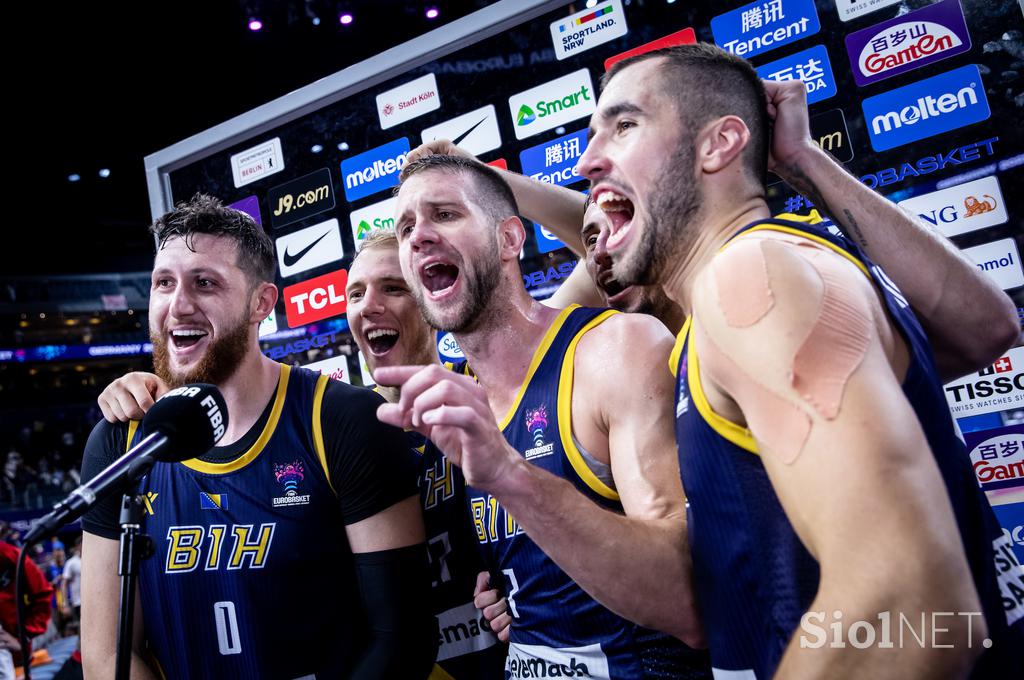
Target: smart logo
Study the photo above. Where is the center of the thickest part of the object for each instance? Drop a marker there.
(926, 108)
(811, 66)
(372, 218)
(554, 103)
(907, 42)
(554, 162)
(762, 26)
(374, 170)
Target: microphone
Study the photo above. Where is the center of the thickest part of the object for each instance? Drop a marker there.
(184, 423)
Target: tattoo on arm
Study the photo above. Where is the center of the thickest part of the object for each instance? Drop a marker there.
(799, 180)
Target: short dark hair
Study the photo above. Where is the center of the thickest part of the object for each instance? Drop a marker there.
(208, 215)
(495, 195)
(708, 83)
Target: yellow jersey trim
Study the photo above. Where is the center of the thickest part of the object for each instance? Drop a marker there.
(565, 383)
(257, 448)
(439, 673)
(677, 349)
(811, 237)
(318, 430)
(538, 356)
(737, 434)
(133, 427)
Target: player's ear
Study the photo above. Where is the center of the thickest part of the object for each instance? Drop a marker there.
(721, 142)
(511, 238)
(263, 301)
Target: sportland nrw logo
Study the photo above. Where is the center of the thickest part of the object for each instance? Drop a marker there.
(926, 108)
(908, 42)
(554, 103)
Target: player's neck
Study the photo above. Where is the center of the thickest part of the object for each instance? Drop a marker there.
(721, 220)
(247, 393)
(499, 349)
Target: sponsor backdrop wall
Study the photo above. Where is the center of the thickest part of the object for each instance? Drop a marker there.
(921, 99)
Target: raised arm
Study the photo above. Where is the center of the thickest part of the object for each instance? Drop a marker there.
(843, 449)
(969, 320)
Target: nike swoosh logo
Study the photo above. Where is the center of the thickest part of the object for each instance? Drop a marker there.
(290, 259)
(466, 133)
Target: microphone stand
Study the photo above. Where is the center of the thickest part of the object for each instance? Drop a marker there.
(135, 547)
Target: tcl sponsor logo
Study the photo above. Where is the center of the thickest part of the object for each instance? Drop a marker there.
(408, 101)
(907, 42)
(315, 299)
(997, 388)
(963, 208)
(336, 368)
(683, 37)
(1000, 260)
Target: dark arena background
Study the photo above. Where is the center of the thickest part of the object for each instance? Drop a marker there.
(300, 113)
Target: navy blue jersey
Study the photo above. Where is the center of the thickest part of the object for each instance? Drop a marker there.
(559, 630)
(252, 576)
(754, 577)
(467, 649)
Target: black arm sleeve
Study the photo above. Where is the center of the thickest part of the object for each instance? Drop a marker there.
(369, 461)
(394, 587)
(107, 442)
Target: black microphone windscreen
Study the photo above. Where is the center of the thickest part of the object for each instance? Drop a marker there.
(193, 417)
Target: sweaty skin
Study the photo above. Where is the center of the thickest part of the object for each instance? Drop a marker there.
(745, 301)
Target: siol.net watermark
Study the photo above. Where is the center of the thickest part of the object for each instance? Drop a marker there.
(888, 631)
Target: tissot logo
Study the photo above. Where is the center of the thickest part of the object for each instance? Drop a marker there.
(407, 101)
(764, 25)
(851, 9)
(308, 248)
(997, 388)
(928, 107)
(963, 208)
(318, 298)
(300, 198)
(554, 103)
(374, 170)
(475, 132)
(907, 42)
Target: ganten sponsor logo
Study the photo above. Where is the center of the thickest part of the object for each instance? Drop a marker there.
(907, 42)
(762, 26)
(926, 108)
(374, 170)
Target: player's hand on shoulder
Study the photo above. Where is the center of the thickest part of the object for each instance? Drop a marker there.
(493, 605)
(130, 396)
(453, 412)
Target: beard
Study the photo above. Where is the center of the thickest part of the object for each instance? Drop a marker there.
(669, 234)
(481, 281)
(219, 363)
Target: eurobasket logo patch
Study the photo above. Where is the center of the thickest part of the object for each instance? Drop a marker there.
(926, 108)
(907, 42)
(537, 425)
(592, 27)
(290, 476)
(213, 501)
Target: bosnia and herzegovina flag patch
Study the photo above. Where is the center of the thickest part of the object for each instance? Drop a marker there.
(213, 501)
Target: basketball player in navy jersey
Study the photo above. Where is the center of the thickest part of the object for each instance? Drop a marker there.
(239, 531)
(578, 506)
(828, 490)
(390, 331)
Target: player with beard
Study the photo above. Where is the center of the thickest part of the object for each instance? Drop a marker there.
(575, 496)
(827, 486)
(390, 331)
(239, 530)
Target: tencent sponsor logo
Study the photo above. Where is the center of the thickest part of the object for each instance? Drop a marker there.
(554, 103)
(318, 298)
(408, 101)
(765, 25)
(929, 164)
(589, 28)
(257, 162)
(336, 368)
(683, 37)
(475, 132)
(308, 248)
(554, 162)
(963, 208)
(1000, 260)
(372, 218)
(374, 170)
(926, 108)
(300, 198)
(851, 9)
(907, 42)
(811, 66)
